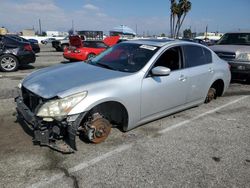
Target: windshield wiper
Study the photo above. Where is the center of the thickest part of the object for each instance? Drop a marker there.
(105, 66)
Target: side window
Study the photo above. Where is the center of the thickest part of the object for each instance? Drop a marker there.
(194, 56)
(101, 45)
(208, 55)
(88, 44)
(171, 58)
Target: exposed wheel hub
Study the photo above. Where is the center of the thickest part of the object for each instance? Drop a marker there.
(97, 128)
(211, 95)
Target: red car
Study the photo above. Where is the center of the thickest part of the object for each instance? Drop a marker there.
(82, 50)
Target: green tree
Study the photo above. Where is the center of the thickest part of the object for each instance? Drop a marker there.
(187, 33)
(163, 35)
(178, 11)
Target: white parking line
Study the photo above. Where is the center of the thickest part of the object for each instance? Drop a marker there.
(81, 166)
(122, 148)
(170, 128)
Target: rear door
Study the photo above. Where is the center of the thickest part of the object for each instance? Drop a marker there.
(198, 62)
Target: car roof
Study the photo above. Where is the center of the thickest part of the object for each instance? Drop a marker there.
(238, 32)
(158, 42)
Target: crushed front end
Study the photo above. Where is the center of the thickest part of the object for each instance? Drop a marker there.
(58, 133)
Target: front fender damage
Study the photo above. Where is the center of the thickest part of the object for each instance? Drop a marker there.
(59, 135)
(60, 138)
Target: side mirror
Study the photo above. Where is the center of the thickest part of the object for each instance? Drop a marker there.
(160, 71)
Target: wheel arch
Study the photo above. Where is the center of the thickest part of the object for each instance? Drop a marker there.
(219, 85)
(112, 110)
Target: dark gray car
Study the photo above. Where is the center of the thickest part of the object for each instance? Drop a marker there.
(235, 49)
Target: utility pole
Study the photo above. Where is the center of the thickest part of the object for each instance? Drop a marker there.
(40, 27)
(206, 32)
(136, 29)
(73, 29)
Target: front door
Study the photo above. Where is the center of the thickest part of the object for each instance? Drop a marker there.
(161, 93)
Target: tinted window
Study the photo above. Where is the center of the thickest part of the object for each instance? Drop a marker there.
(194, 56)
(208, 55)
(89, 44)
(9, 41)
(101, 45)
(170, 59)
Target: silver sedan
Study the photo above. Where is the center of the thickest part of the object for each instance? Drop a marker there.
(129, 84)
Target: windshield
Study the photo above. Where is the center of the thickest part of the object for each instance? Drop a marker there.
(125, 57)
(235, 39)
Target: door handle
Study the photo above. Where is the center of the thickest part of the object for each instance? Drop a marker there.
(182, 78)
(211, 70)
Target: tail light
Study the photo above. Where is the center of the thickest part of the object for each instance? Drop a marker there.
(27, 47)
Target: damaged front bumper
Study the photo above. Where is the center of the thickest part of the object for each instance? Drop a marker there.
(58, 135)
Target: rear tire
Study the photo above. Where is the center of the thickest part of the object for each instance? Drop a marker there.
(8, 63)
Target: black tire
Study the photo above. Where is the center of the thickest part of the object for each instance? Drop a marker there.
(8, 63)
(90, 56)
(64, 46)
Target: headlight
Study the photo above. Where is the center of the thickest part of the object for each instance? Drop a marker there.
(243, 57)
(60, 107)
(20, 84)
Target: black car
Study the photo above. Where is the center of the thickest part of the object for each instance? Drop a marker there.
(61, 45)
(14, 53)
(34, 43)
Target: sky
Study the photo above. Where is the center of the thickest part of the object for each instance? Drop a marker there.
(148, 16)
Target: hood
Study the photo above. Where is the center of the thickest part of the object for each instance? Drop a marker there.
(230, 48)
(75, 41)
(59, 80)
(111, 41)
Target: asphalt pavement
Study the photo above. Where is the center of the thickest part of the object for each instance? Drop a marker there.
(205, 146)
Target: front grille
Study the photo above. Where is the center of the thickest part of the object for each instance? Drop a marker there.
(226, 55)
(30, 99)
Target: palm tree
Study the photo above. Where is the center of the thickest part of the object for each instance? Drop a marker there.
(174, 12)
(171, 16)
(185, 7)
(178, 10)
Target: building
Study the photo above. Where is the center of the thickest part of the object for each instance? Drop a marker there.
(123, 31)
(210, 36)
(90, 35)
(28, 32)
(56, 34)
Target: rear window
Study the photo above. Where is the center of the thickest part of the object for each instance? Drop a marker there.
(8, 40)
(196, 56)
